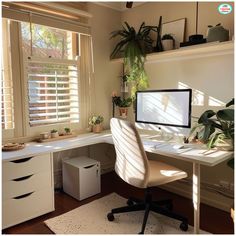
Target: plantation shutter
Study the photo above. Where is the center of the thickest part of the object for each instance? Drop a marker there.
(52, 91)
(7, 105)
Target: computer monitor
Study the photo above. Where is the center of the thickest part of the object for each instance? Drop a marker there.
(169, 107)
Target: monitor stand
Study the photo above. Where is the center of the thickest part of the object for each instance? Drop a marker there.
(162, 135)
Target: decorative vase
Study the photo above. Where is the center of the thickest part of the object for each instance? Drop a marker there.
(123, 112)
(225, 144)
(217, 33)
(97, 128)
(168, 44)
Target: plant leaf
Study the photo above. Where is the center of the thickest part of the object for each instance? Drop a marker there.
(226, 114)
(205, 116)
(230, 103)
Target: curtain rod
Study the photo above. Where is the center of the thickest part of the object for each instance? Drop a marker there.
(65, 8)
(24, 11)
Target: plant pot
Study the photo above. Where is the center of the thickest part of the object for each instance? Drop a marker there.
(54, 135)
(168, 44)
(123, 111)
(225, 144)
(97, 128)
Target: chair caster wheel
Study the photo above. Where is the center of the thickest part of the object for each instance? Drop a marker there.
(110, 217)
(130, 202)
(184, 226)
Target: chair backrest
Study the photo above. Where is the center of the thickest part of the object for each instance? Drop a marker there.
(131, 160)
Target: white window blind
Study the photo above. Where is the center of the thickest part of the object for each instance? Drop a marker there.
(52, 91)
(7, 105)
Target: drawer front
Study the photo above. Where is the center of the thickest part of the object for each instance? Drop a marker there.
(89, 180)
(25, 166)
(26, 184)
(22, 208)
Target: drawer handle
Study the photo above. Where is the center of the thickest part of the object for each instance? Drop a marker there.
(87, 167)
(22, 160)
(22, 178)
(23, 196)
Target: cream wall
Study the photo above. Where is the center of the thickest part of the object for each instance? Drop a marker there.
(213, 76)
(106, 79)
(103, 22)
(207, 15)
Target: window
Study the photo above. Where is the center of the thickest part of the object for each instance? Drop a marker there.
(52, 75)
(6, 80)
(52, 92)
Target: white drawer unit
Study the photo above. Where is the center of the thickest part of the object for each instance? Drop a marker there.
(81, 177)
(27, 189)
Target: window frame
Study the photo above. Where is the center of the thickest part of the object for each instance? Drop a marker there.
(23, 132)
(34, 130)
(16, 72)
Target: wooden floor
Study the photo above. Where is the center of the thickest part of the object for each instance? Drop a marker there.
(212, 220)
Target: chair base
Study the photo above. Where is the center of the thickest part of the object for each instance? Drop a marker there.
(161, 207)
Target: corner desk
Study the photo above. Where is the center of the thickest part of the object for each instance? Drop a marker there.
(196, 154)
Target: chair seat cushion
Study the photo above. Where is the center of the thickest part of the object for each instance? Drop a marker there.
(162, 173)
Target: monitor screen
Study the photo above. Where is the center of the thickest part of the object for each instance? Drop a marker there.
(170, 107)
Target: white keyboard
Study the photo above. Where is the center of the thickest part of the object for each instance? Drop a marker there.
(153, 144)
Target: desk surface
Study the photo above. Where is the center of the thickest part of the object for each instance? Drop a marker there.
(191, 153)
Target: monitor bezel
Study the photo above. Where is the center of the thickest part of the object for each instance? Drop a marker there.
(167, 90)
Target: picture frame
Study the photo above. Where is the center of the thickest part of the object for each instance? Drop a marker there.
(176, 28)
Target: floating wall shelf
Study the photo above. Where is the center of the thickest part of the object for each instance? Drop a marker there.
(190, 52)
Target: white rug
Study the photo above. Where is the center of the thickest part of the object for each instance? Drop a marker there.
(92, 219)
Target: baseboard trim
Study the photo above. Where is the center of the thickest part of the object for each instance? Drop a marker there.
(209, 198)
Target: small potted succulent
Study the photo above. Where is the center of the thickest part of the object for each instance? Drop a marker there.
(67, 131)
(54, 133)
(96, 123)
(168, 42)
(123, 104)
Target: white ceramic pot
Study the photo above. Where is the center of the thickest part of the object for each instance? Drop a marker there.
(225, 144)
(168, 44)
(54, 135)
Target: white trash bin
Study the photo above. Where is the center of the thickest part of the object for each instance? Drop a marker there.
(81, 177)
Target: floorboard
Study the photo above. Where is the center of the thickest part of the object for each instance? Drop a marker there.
(212, 220)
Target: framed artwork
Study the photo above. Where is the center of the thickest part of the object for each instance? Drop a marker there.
(176, 28)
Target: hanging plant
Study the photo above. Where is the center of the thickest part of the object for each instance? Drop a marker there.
(134, 46)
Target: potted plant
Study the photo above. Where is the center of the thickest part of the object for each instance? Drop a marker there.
(96, 123)
(216, 128)
(168, 42)
(54, 133)
(67, 130)
(134, 45)
(123, 104)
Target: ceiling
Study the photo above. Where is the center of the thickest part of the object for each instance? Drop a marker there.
(120, 6)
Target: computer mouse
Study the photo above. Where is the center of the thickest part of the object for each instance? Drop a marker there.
(178, 146)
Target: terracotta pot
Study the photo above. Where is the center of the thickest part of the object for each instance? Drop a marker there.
(97, 128)
(123, 111)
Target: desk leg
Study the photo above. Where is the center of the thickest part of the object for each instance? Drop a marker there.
(196, 196)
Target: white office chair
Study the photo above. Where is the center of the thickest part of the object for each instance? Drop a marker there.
(133, 166)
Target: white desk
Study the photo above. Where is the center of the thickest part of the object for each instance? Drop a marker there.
(196, 154)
